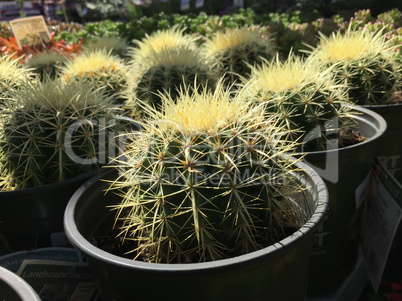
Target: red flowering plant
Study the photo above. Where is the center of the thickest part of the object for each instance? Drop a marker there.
(10, 47)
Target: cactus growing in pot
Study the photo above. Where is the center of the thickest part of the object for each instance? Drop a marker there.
(206, 180)
(305, 98)
(364, 61)
(52, 131)
(231, 52)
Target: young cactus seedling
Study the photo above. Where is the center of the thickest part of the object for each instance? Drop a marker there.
(102, 70)
(52, 131)
(365, 62)
(231, 52)
(304, 97)
(206, 181)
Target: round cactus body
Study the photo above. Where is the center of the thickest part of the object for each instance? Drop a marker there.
(12, 75)
(47, 64)
(168, 71)
(365, 62)
(53, 131)
(207, 181)
(159, 41)
(102, 70)
(231, 52)
(304, 97)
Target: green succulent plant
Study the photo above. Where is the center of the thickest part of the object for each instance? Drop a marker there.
(167, 71)
(115, 45)
(365, 62)
(47, 64)
(51, 131)
(12, 75)
(102, 70)
(306, 99)
(232, 51)
(205, 180)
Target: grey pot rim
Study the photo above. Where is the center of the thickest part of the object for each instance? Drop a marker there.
(382, 127)
(20, 287)
(278, 248)
(51, 186)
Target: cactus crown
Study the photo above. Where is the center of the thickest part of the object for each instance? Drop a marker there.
(12, 74)
(169, 70)
(231, 52)
(199, 187)
(161, 40)
(101, 69)
(51, 131)
(47, 64)
(113, 45)
(303, 95)
(364, 61)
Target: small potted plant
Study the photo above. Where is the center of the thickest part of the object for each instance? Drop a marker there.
(337, 139)
(206, 199)
(53, 136)
(366, 61)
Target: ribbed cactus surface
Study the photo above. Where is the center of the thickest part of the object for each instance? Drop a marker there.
(102, 70)
(206, 181)
(231, 52)
(52, 131)
(365, 62)
(305, 98)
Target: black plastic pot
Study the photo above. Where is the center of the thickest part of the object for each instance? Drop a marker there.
(389, 152)
(14, 288)
(278, 272)
(29, 216)
(337, 241)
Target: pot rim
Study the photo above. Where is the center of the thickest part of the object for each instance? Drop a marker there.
(379, 123)
(279, 248)
(19, 285)
(52, 186)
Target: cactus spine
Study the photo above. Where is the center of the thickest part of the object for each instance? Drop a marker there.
(231, 52)
(47, 64)
(12, 75)
(304, 97)
(102, 70)
(365, 62)
(53, 131)
(205, 181)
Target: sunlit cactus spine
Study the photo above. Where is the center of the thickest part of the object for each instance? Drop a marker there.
(161, 40)
(102, 70)
(206, 180)
(365, 62)
(306, 99)
(52, 131)
(12, 75)
(47, 64)
(167, 71)
(232, 51)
